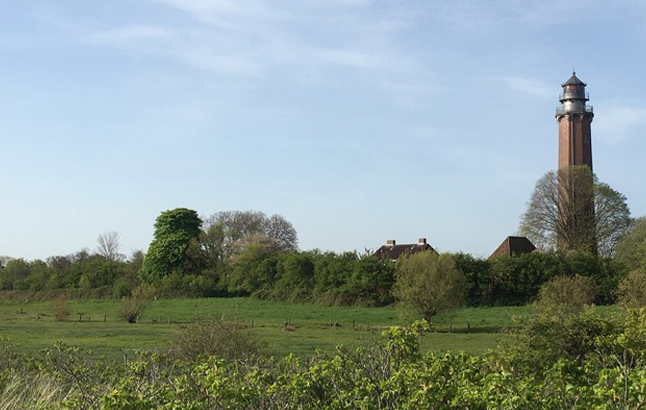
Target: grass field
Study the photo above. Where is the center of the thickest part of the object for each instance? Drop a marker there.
(316, 327)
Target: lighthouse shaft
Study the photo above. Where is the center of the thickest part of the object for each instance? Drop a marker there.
(576, 214)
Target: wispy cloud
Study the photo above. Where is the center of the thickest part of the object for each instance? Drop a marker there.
(220, 10)
(619, 121)
(212, 60)
(310, 41)
(531, 86)
(475, 15)
(127, 34)
(351, 58)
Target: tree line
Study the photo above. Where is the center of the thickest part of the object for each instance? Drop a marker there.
(246, 253)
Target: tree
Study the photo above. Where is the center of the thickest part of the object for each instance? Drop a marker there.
(427, 283)
(612, 218)
(253, 269)
(14, 273)
(174, 231)
(631, 249)
(109, 246)
(229, 232)
(558, 212)
(4, 259)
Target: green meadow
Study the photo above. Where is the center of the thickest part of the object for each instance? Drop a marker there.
(95, 325)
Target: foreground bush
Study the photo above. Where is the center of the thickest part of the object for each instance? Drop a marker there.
(391, 374)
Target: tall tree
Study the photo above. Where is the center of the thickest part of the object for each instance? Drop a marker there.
(545, 222)
(109, 246)
(174, 231)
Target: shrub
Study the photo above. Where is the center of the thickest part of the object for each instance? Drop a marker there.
(547, 337)
(566, 294)
(135, 304)
(631, 291)
(61, 307)
(223, 339)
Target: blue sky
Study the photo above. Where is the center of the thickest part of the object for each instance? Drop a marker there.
(357, 120)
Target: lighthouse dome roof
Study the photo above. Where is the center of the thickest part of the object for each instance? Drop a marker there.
(574, 80)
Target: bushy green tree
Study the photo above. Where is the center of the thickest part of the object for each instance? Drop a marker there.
(253, 271)
(13, 275)
(294, 277)
(566, 294)
(631, 249)
(427, 283)
(174, 231)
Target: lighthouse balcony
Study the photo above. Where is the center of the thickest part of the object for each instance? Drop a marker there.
(572, 95)
(569, 110)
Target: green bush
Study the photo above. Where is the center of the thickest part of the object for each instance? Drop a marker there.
(219, 338)
(566, 294)
(631, 291)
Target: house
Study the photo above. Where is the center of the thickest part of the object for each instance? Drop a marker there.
(393, 251)
(513, 246)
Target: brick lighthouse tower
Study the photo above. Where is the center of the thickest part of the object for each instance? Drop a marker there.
(575, 202)
(574, 118)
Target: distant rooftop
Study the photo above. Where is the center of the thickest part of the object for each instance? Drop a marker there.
(513, 246)
(393, 251)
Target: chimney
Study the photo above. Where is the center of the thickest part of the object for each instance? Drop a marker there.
(421, 242)
(390, 242)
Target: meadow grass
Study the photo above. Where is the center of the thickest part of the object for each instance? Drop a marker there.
(314, 328)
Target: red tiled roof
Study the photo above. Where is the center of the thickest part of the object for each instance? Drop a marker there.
(514, 245)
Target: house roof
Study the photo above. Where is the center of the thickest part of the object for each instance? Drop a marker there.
(514, 245)
(393, 251)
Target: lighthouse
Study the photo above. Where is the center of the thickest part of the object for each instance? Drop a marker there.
(575, 203)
